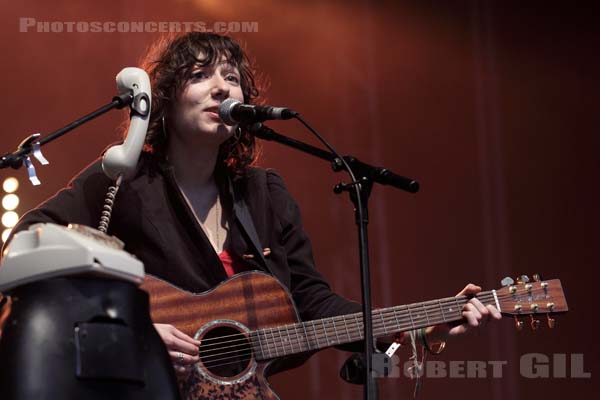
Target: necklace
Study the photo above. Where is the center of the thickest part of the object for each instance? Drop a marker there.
(217, 225)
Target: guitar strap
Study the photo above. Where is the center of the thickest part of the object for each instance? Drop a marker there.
(242, 213)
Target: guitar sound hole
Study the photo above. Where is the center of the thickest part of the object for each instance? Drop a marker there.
(225, 351)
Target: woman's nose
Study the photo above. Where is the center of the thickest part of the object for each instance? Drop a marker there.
(220, 88)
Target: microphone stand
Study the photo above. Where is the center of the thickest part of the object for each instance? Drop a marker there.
(30, 144)
(366, 176)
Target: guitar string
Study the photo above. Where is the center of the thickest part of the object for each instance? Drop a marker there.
(393, 310)
(284, 351)
(245, 347)
(299, 340)
(429, 304)
(393, 321)
(247, 356)
(389, 315)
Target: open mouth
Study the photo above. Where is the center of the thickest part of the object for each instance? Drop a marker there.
(213, 113)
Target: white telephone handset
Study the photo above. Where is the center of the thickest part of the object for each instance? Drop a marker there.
(121, 160)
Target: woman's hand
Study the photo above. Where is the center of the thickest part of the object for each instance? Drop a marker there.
(182, 348)
(476, 314)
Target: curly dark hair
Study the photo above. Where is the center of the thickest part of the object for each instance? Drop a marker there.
(169, 64)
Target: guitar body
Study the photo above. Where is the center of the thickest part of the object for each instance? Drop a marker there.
(221, 319)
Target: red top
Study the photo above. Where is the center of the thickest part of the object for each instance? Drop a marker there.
(231, 266)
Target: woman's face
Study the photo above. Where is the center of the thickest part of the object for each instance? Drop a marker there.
(195, 112)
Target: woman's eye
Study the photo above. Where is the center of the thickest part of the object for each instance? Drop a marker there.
(199, 74)
(233, 78)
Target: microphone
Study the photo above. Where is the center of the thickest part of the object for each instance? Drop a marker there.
(233, 112)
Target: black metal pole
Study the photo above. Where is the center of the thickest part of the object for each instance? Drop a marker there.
(365, 175)
(370, 388)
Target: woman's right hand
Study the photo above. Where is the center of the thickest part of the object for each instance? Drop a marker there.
(182, 348)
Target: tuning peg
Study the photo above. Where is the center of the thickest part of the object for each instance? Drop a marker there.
(537, 277)
(535, 323)
(551, 322)
(518, 324)
(522, 279)
(507, 281)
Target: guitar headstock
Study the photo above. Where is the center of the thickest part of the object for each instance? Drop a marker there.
(535, 298)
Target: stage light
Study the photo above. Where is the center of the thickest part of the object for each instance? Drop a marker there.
(10, 185)
(10, 219)
(10, 202)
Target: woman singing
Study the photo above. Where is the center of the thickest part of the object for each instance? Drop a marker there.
(197, 211)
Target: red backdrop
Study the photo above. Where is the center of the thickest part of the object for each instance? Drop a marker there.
(490, 105)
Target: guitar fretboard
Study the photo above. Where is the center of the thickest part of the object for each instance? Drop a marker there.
(317, 334)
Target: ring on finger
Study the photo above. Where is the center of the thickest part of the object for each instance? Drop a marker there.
(180, 356)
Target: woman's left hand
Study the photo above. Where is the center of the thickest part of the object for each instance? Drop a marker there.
(475, 313)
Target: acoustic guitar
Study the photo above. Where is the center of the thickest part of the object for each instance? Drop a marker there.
(249, 320)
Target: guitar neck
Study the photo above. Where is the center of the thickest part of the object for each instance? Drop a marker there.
(326, 332)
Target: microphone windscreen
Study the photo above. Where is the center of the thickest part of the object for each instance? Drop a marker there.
(226, 111)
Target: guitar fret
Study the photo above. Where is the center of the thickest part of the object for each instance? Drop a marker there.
(397, 322)
(347, 331)
(335, 331)
(290, 341)
(358, 325)
(383, 322)
(448, 309)
(262, 352)
(274, 343)
(441, 310)
(268, 344)
(308, 345)
(412, 321)
(458, 307)
(282, 340)
(298, 337)
(325, 330)
(315, 331)
(266, 347)
(426, 316)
